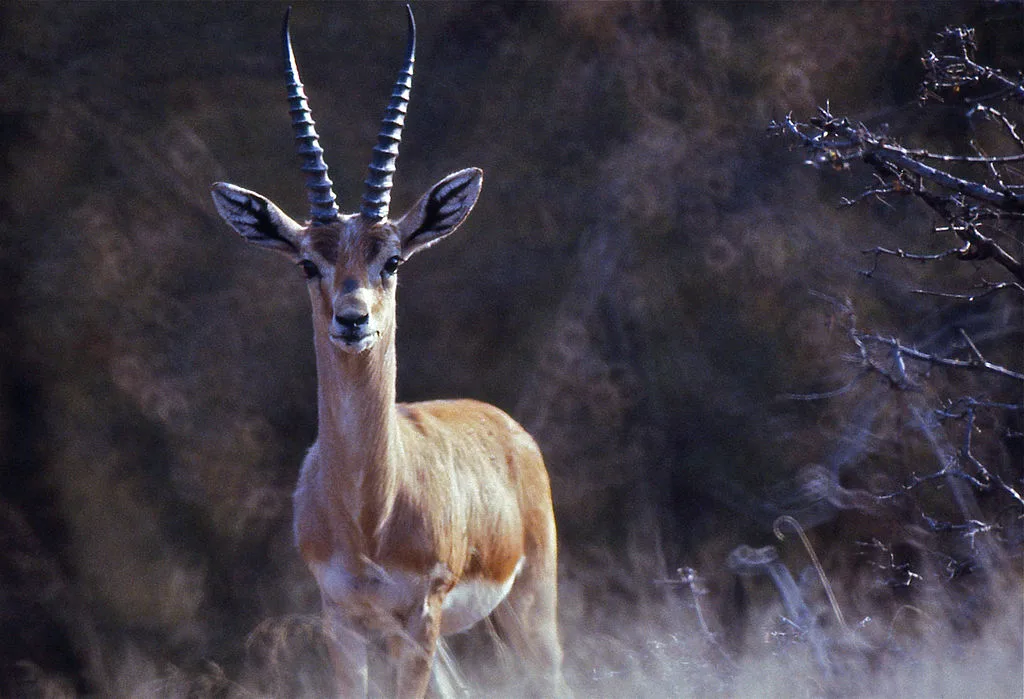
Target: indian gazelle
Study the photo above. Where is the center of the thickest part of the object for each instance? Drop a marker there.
(416, 519)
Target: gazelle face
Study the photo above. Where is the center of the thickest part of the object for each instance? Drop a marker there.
(351, 272)
(351, 264)
(350, 261)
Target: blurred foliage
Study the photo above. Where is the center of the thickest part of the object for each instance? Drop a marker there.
(633, 287)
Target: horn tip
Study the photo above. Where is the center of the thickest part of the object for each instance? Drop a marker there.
(412, 28)
(286, 41)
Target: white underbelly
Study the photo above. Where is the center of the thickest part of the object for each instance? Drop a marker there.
(369, 601)
(473, 600)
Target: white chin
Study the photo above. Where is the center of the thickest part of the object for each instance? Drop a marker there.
(354, 346)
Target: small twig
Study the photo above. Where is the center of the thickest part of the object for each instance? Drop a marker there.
(998, 116)
(945, 157)
(824, 395)
(879, 251)
(968, 413)
(974, 348)
(989, 288)
(976, 363)
(969, 403)
(688, 576)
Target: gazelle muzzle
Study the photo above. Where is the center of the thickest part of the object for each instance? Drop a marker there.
(354, 328)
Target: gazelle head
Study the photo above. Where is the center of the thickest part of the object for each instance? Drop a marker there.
(351, 260)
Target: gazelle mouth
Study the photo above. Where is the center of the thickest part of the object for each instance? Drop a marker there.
(354, 343)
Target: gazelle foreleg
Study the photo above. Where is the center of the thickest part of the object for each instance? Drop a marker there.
(412, 653)
(347, 649)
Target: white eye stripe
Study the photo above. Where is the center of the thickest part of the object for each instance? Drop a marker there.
(243, 202)
(443, 194)
(446, 191)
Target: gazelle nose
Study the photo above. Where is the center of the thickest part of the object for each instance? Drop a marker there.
(351, 322)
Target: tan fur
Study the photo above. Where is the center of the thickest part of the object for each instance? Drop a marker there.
(406, 513)
(397, 504)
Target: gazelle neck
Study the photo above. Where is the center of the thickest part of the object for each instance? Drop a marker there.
(356, 401)
(358, 436)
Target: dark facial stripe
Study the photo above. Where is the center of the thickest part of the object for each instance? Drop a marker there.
(324, 242)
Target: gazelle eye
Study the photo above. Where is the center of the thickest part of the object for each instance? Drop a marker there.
(391, 266)
(309, 269)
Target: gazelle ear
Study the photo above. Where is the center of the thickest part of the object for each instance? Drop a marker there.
(440, 210)
(257, 219)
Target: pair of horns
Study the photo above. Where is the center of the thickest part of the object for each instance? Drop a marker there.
(377, 194)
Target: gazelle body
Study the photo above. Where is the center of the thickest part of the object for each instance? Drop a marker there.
(415, 519)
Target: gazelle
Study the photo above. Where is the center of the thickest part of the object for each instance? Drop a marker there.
(416, 519)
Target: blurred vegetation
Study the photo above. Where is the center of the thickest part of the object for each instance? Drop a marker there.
(636, 286)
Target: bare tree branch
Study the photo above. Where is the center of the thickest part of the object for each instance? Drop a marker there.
(967, 203)
(976, 362)
(954, 462)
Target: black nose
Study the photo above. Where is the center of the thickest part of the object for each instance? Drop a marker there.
(350, 323)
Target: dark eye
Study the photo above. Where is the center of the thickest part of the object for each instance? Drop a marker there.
(391, 266)
(309, 269)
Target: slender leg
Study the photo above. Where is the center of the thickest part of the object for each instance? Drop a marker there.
(528, 621)
(412, 654)
(347, 649)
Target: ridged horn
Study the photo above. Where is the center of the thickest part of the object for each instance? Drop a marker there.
(323, 207)
(377, 195)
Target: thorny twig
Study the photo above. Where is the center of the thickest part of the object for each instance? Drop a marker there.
(977, 193)
(965, 204)
(986, 288)
(964, 465)
(878, 251)
(970, 205)
(954, 68)
(900, 351)
(967, 411)
(837, 141)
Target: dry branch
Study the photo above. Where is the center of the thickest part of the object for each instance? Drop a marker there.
(980, 198)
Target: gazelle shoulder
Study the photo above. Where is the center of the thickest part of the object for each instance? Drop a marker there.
(464, 414)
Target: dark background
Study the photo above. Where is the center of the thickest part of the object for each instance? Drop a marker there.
(634, 286)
